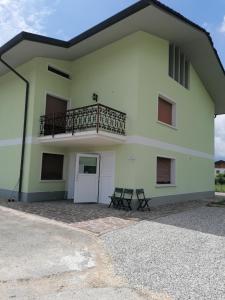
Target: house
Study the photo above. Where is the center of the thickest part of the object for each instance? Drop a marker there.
(128, 103)
(219, 167)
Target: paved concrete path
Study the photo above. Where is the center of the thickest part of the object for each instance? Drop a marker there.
(44, 259)
(220, 194)
(181, 256)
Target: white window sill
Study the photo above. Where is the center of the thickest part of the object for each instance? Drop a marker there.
(167, 125)
(165, 185)
(52, 181)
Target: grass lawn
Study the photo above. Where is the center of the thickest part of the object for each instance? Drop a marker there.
(220, 188)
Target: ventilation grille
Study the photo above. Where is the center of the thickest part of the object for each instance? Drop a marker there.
(58, 72)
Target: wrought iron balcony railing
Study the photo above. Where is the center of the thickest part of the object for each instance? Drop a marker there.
(93, 117)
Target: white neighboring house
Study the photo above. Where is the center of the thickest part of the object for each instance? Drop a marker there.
(220, 167)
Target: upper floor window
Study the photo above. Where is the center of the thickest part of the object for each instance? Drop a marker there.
(166, 112)
(55, 112)
(179, 66)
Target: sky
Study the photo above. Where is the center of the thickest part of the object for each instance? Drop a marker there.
(65, 19)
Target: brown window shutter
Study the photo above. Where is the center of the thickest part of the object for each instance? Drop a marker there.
(163, 170)
(165, 111)
(52, 166)
(56, 112)
(55, 105)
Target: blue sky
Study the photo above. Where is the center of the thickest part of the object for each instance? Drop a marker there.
(65, 19)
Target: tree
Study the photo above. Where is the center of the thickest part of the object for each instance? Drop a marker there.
(220, 180)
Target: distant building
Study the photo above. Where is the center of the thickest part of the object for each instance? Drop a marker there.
(220, 167)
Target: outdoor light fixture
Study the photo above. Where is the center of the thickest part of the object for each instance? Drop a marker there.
(95, 97)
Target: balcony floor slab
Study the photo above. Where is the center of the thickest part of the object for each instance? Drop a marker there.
(84, 138)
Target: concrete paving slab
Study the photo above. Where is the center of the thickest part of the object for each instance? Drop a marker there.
(103, 225)
(59, 251)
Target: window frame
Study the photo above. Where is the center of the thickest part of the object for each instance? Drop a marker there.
(63, 171)
(172, 172)
(177, 62)
(174, 111)
(88, 156)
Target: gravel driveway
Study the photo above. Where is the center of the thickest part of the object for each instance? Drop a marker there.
(181, 256)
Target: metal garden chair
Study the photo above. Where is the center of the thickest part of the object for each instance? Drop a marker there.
(142, 200)
(127, 199)
(116, 198)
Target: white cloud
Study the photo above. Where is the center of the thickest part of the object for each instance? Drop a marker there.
(220, 137)
(222, 26)
(22, 15)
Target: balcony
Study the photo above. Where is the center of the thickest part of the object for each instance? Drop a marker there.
(89, 125)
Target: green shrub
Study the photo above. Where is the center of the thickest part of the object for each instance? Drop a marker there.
(220, 179)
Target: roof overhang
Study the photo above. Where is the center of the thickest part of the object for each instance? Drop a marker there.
(146, 15)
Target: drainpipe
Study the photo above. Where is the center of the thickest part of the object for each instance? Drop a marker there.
(24, 125)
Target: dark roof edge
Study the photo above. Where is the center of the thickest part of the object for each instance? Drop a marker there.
(66, 44)
(111, 21)
(103, 25)
(46, 40)
(177, 14)
(186, 20)
(26, 36)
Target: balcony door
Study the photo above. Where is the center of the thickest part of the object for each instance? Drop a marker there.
(86, 178)
(56, 115)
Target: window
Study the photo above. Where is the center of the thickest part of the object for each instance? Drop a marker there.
(55, 105)
(166, 112)
(88, 165)
(52, 166)
(165, 170)
(179, 66)
(58, 72)
(55, 110)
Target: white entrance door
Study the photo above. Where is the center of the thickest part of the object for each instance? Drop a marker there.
(107, 176)
(86, 178)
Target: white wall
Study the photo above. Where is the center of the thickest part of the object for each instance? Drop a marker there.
(219, 171)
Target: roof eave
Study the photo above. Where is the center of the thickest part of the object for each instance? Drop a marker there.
(103, 25)
(111, 21)
(184, 19)
(27, 36)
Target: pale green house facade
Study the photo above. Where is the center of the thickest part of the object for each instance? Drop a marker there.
(129, 71)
